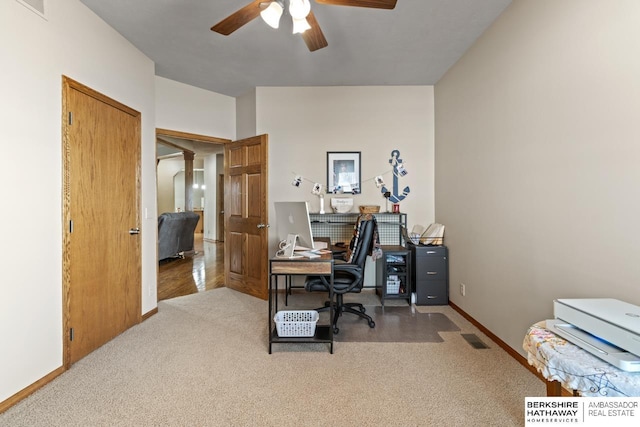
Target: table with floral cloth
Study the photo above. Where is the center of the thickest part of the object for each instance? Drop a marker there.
(563, 363)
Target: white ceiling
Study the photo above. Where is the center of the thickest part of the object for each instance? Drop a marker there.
(413, 44)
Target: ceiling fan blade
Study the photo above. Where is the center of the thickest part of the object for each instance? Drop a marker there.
(237, 19)
(313, 37)
(378, 4)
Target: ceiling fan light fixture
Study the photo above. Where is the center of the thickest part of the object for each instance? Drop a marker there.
(300, 25)
(299, 9)
(272, 13)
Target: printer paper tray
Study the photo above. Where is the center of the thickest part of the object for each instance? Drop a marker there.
(600, 348)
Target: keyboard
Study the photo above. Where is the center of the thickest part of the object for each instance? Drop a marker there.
(308, 254)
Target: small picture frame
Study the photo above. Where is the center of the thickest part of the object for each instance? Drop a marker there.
(343, 172)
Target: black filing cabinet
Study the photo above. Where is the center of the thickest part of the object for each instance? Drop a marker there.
(430, 274)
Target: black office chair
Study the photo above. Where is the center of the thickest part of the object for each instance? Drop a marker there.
(348, 276)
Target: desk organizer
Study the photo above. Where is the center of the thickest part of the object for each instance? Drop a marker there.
(296, 323)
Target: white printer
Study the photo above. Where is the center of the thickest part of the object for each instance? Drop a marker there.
(605, 327)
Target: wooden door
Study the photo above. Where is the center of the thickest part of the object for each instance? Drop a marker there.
(246, 217)
(220, 207)
(101, 262)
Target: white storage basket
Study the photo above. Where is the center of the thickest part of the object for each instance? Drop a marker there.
(296, 323)
(393, 287)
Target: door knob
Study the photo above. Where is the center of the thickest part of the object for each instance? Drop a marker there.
(263, 225)
(134, 231)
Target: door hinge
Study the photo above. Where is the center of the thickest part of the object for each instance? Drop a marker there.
(70, 226)
(70, 334)
(70, 118)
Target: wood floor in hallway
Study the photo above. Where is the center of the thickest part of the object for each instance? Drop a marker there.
(199, 272)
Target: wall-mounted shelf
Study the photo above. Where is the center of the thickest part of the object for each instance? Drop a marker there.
(339, 227)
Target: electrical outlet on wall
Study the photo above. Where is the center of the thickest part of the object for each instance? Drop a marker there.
(463, 289)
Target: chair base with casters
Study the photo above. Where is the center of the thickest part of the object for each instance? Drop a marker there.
(350, 307)
(348, 277)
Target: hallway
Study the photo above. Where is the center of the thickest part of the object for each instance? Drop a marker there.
(195, 273)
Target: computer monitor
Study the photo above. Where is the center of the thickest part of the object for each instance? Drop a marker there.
(293, 218)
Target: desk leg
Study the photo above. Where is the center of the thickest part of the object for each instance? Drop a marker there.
(270, 311)
(287, 289)
(332, 307)
(554, 389)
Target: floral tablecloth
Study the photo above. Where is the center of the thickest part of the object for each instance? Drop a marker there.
(559, 360)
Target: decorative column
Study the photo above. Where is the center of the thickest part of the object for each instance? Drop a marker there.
(188, 180)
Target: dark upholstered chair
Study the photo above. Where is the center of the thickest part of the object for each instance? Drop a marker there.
(175, 233)
(348, 277)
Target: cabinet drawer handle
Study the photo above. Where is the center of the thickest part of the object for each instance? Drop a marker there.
(432, 272)
(432, 296)
(431, 252)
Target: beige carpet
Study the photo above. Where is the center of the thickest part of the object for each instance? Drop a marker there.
(203, 361)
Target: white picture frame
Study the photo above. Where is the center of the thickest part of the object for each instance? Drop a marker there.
(343, 172)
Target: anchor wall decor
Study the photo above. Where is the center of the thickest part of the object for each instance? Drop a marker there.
(398, 171)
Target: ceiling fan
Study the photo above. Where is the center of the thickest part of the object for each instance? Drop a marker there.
(304, 22)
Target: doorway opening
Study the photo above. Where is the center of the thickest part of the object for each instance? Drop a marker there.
(189, 177)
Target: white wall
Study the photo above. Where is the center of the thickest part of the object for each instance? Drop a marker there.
(537, 176)
(170, 194)
(304, 123)
(211, 171)
(166, 170)
(185, 108)
(246, 115)
(72, 41)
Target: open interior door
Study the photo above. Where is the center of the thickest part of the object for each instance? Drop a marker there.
(246, 230)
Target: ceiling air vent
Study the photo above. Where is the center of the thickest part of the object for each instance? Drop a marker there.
(36, 6)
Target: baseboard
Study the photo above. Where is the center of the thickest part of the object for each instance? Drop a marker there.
(503, 345)
(149, 313)
(517, 356)
(25, 392)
